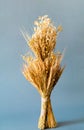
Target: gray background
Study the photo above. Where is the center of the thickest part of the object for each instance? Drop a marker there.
(19, 100)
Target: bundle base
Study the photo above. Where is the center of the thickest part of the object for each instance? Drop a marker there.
(47, 119)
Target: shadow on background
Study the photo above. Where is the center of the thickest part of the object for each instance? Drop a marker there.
(71, 122)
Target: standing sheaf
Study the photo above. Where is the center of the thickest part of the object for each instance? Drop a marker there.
(44, 70)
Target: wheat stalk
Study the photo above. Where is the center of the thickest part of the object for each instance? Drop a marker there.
(43, 70)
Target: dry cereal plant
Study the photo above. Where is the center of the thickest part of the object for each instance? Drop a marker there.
(44, 69)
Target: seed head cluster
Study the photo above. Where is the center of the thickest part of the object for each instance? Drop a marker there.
(44, 70)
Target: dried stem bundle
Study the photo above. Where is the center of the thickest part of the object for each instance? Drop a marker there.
(44, 70)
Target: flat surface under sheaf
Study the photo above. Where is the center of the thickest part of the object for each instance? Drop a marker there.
(68, 118)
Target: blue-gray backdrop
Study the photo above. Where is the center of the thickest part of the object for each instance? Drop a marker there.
(19, 100)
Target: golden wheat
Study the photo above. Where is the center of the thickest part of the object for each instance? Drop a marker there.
(43, 70)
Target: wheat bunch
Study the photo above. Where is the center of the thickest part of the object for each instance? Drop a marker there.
(44, 70)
